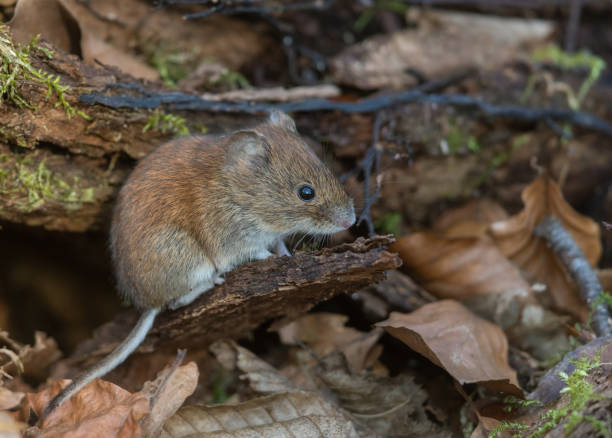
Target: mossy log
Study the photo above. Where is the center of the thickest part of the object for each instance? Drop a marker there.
(61, 160)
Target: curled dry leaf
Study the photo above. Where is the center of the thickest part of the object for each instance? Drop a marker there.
(167, 392)
(101, 410)
(327, 332)
(516, 241)
(469, 269)
(469, 348)
(295, 414)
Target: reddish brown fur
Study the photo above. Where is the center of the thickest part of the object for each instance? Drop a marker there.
(196, 200)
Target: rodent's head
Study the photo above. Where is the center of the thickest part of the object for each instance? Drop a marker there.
(273, 174)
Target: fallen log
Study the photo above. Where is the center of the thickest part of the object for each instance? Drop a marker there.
(253, 293)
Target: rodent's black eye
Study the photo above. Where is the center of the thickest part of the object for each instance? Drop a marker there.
(306, 193)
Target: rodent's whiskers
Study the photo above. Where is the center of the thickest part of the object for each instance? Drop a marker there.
(298, 242)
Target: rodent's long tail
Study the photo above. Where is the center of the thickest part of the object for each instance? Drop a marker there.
(118, 355)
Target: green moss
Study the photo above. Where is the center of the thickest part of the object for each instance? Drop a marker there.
(513, 403)
(499, 159)
(458, 140)
(31, 184)
(231, 80)
(515, 428)
(15, 64)
(568, 61)
(578, 393)
(397, 6)
(160, 121)
(389, 224)
(220, 387)
(172, 65)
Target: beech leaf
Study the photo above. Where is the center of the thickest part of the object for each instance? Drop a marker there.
(326, 332)
(168, 392)
(101, 409)
(294, 414)
(516, 241)
(469, 348)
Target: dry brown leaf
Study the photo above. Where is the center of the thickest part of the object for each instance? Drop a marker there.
(50, 19)
(444, 42)
(605, 279)
(32, 361)
(168, 392)
(485, 426)
(95, 49)
(327, 332)
(101, 409)
(62, 23)
(471, 219)
(516, 241)
(469, 348)
(469, 269)
(9, 399)
(387, 406)
(9, 428)
(262, 377)
(295, 414)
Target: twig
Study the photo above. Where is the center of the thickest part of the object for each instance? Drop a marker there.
(99, 16)
(573, 21)
(371, 160)
(182, 101)
(180, 355)
(572, 257)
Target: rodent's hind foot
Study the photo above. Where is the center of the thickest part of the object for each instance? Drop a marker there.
(218, 279)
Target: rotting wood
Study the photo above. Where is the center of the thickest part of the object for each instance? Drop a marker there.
(252, 294)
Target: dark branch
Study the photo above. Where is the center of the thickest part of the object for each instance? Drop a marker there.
(247, 6)
(182, 101)
(564, 246)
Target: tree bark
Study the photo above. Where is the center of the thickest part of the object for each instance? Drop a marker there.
(253, 293)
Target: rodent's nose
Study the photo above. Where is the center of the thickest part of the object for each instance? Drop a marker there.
(345, 220)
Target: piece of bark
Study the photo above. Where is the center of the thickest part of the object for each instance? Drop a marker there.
(252, 294)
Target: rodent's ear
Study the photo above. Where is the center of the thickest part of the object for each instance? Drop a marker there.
(281, 119)
(247, 147)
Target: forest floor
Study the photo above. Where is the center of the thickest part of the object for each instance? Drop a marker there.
(472, 297)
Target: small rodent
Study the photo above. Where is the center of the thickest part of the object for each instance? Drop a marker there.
(198, 206)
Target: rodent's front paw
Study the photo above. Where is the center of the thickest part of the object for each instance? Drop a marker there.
(263, 254)
(281, 249)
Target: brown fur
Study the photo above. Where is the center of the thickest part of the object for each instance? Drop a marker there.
(196, 200)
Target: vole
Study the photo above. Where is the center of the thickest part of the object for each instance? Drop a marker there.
(198, 206)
